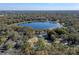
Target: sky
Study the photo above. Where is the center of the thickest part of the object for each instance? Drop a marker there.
(39, 6)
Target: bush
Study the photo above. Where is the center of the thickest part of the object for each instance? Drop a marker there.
(40, 45)
(60, 31)
(2, 39)
(51, 35)
(71, 39)
(26, 48)
(8, 46)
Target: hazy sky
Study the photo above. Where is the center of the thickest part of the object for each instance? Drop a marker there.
(39, 6)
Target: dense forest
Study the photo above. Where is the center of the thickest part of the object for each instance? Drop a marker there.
(17, 40)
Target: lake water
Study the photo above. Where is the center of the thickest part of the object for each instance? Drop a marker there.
(41, 25)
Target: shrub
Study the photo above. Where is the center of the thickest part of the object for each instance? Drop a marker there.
(60, 31)
(40, 45)
(8, 46)
(2, 39)
(26, 48)
(51, 35)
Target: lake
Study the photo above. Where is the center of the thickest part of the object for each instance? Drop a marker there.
(41, 25)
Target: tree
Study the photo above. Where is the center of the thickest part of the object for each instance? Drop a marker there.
(51, 35)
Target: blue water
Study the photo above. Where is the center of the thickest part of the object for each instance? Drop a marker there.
(41, 25)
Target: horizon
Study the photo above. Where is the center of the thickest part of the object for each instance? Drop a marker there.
(39, 6)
